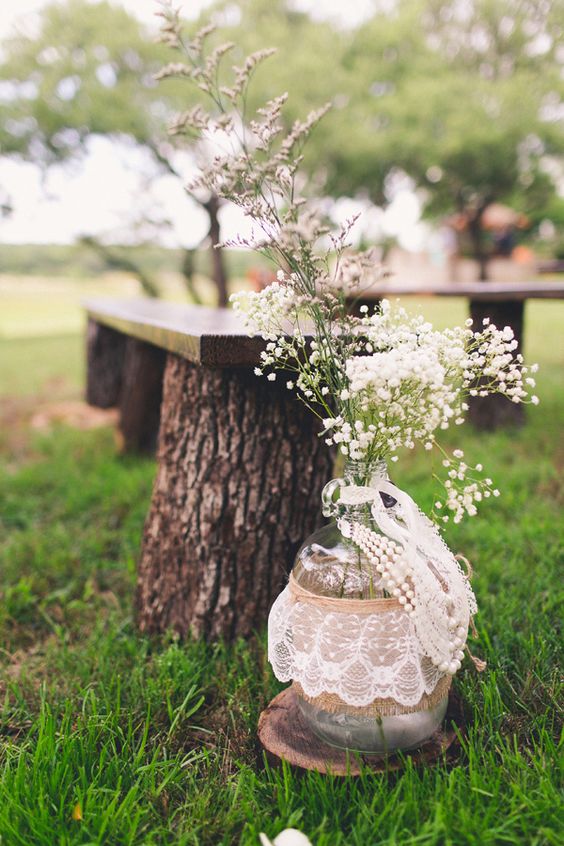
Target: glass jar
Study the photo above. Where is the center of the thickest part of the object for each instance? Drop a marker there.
(349, 633)
(329, 564)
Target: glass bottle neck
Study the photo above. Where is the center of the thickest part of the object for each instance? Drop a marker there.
(365, 472)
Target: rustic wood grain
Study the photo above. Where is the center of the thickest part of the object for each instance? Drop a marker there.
(105, 354)
(217, 337)
(214, 337)
(140, 397)
(284, 735)
(238, 488)
(484, 291)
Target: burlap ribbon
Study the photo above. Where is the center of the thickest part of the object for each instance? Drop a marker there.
(344, 605)
(378, 707)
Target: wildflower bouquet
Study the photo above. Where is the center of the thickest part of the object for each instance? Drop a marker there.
(378, 381)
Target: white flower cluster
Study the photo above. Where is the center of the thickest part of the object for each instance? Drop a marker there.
(270, 312)
(462, 490)
(393, 380)
(415, 381)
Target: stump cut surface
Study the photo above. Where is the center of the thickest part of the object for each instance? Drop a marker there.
(285, 735)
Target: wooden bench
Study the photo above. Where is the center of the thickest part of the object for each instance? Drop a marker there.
(502, 302)
(240, 465)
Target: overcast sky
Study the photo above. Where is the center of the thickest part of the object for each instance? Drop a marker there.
(347, 13)
(81, 202)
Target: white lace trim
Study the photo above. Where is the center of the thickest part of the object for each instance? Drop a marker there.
(445, 601)
(358, 657)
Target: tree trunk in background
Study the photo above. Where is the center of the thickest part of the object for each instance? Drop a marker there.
(477, 238)
(219, 273)
(105, 354)
(238, 489)
(497, 411)
(141, 394)
(188, 272)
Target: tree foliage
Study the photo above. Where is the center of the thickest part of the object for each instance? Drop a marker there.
(466, 98)
(90, 71)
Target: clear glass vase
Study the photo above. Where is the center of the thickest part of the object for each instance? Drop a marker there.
(372, 648)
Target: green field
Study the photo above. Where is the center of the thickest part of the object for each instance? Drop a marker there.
(110, 738)
(42, 323)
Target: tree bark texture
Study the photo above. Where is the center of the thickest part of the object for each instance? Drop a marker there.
(105, 354)
(497, 411)
(238, 486)
(141, 394)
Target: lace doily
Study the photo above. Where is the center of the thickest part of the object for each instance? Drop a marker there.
(359, 657)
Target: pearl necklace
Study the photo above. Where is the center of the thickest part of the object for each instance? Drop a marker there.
(387, 557)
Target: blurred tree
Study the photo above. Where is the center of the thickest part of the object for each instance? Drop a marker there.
(88, 71)
(465, 98)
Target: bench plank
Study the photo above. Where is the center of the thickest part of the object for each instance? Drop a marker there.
(483, 291)
(212, 337)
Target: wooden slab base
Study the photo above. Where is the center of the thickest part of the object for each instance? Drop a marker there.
(285, 735)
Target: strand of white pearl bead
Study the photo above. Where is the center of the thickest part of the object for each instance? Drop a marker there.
(456, 644)
(386, 556)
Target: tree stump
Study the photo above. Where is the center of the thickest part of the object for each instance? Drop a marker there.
(285, 736)
(240, 474)
(140, 396)
(493, 412)
(105, 354)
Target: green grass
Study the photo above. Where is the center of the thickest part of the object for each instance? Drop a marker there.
(42, 366)
(150, 741)
(40, 306)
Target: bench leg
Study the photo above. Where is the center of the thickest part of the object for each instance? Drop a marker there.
(105, 354)
(141, 394)
(497, 411)
(240, 474)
